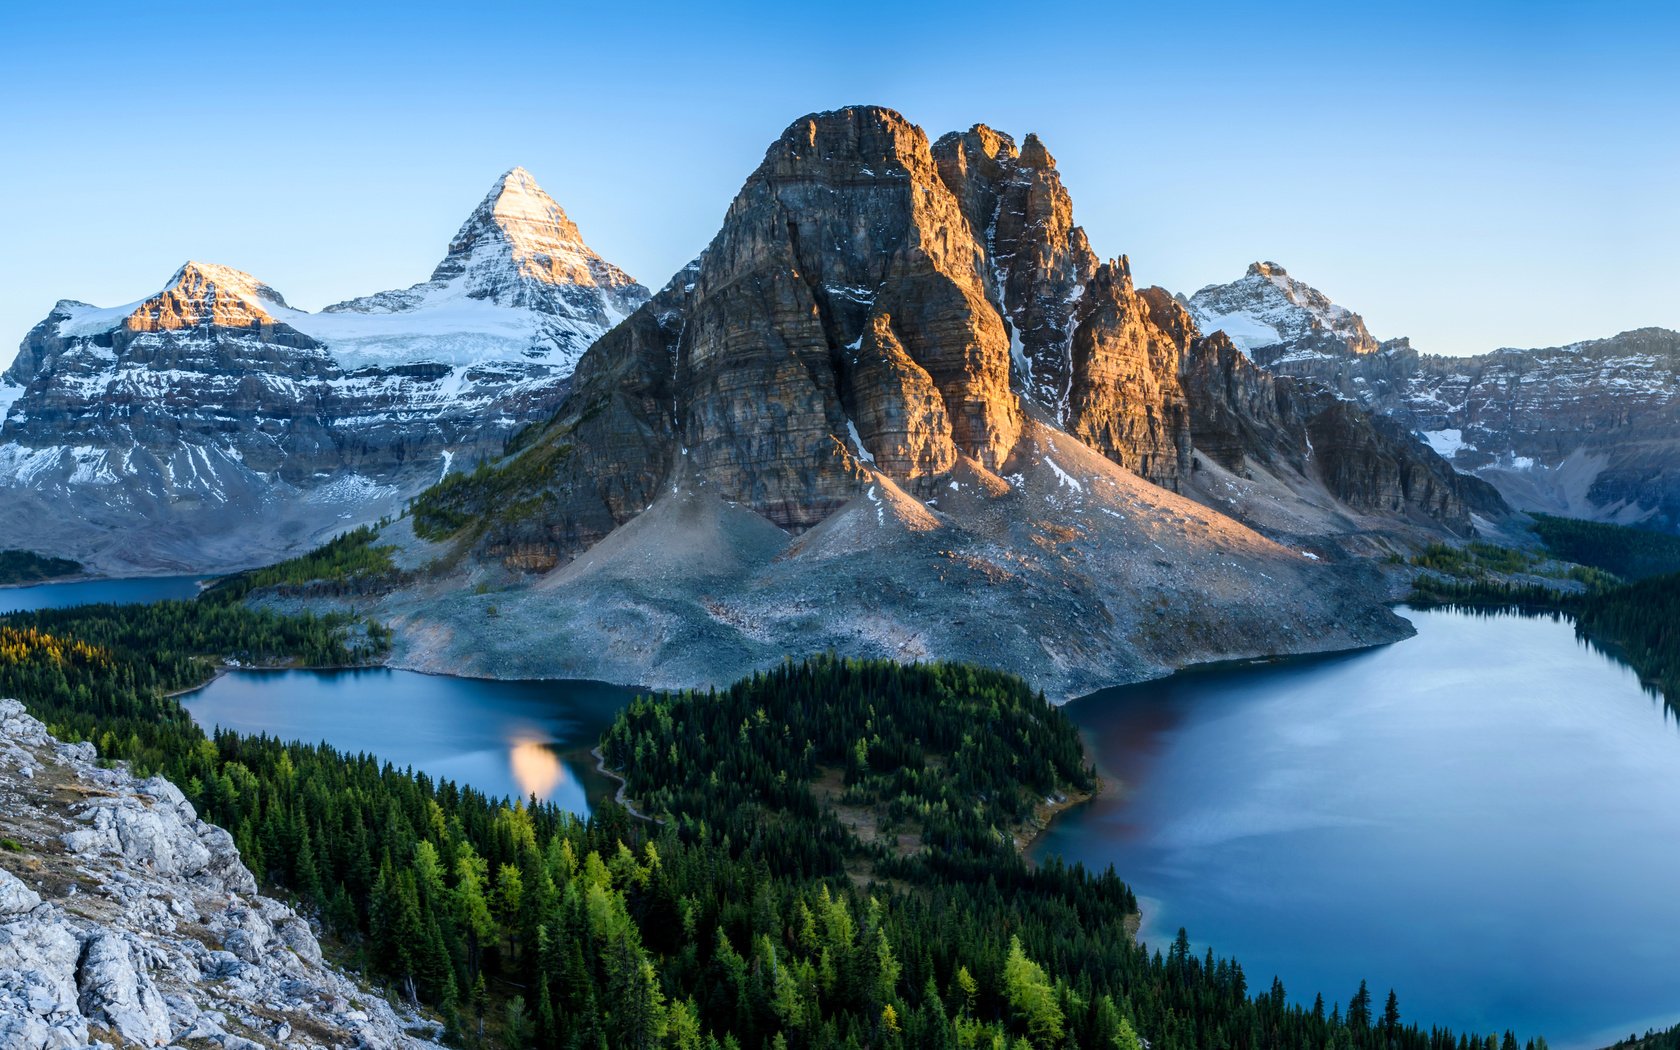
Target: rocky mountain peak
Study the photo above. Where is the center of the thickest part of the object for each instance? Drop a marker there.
(519, 233)
(1271, 316)
(1033, 153)
(205, 293)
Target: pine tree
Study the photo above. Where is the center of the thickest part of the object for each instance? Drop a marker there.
(1359, 1009)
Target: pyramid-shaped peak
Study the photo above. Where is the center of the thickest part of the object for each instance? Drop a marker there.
(1034, 154)
(199, 280)
(520, 212)
(519, 241)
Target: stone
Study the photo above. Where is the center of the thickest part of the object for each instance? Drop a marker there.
(117, 993)
(123, 948)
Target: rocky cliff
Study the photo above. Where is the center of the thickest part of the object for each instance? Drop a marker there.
(126, 920)
(1589, 429)
(877, 305)
(899, 373)
(211, 425)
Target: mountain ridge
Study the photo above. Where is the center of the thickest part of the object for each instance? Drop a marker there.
(210, 425)
(1587, 429)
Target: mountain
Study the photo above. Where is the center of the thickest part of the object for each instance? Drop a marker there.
(518, 251)
(1587, 430)
(899, 407)
(1270, 315)
(212, 425)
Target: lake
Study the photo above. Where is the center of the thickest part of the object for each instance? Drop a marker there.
(1485, 818)
(501, 737)
(126, 591)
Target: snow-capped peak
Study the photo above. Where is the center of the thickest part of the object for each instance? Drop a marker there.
(197, 280)
(1268, 314)
(518, 253)
(196, 293)
(518, 231)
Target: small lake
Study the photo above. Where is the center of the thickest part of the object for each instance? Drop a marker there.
(1485, 818)
(503, 738)
(126, 591)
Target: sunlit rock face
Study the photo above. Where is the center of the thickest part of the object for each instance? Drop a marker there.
(1588, 429)
(874, 305)
(1127, 400)
(212, 425)
(845, 229)
(1039, 261)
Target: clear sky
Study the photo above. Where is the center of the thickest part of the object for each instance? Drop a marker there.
(1471, 175)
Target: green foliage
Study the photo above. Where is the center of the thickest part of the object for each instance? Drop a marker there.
(958, 753)
(1630, 553)
(19, 566)
(1477, 560)
(1666, 1039)
(1641, 624)
(490, 493)
(347, 564)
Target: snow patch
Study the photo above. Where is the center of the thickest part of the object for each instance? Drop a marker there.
(1064, 477)
(1245, 330)
(857, 444)
(9, 394)
(1447, 443)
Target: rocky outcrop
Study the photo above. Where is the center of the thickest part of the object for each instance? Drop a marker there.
(126, 920)
(211, 425)
(1589, 429)
(1241, 415)
(1039, 261)
(1126, 400)
(1246, 418)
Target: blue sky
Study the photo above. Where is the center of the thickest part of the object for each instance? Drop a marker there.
(1471, 175)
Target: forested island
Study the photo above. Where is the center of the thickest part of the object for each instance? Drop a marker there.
(830, 859)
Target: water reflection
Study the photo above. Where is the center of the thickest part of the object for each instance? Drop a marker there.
(536, 768)
(507, 739)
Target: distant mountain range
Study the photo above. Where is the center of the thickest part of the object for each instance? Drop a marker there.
(1589, 430)
(210, 425)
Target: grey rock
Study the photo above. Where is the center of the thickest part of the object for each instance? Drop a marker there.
(116, 992)
(1587, 430)
(123, 948)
